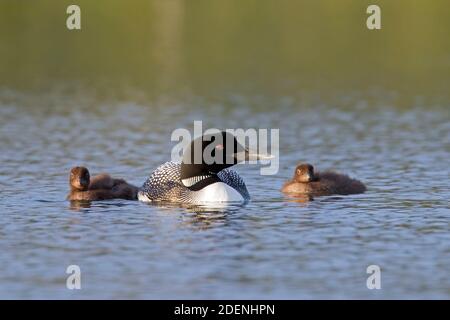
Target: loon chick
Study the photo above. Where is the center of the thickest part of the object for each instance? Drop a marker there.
(100, 187)
(198, 180)
(306, 181)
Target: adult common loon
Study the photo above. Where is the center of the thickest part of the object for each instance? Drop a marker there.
(198, 179)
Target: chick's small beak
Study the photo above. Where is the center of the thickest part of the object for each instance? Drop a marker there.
(82, 181)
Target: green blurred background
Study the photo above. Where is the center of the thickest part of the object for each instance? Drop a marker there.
(211, 46)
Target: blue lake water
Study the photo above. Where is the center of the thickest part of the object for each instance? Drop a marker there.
(273, 247)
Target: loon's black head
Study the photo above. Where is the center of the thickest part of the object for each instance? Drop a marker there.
(209, 154)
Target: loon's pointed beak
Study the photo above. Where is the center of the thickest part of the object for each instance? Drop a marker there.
(252, 155)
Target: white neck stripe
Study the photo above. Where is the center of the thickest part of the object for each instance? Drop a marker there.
(189, 182)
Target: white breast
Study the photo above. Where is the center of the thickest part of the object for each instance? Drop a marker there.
(218, 192)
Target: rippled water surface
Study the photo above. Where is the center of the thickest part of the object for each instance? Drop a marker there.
(273, 247)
